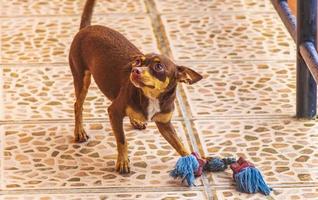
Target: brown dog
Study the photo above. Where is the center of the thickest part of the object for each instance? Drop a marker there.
(142, 87)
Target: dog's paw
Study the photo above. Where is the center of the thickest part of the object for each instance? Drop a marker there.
(138, 125)
(122, 166)
(81, 136)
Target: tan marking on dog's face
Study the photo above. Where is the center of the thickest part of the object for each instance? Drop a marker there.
(153, 87)
(156, 59)
(158, 72)
(153, 77)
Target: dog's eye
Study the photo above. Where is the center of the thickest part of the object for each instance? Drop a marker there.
(158, 67)
(137, 63)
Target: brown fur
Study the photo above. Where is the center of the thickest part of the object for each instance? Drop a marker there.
(109, 57)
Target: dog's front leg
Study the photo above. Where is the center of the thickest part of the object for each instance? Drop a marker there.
(169, 133)
(116, 120)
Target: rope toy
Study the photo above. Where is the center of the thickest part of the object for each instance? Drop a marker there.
(188, 167)
(248, 179)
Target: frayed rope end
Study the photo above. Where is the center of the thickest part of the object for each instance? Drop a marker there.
(186, 168)
(249, 179)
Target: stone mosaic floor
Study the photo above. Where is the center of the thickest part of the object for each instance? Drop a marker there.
(244, 106)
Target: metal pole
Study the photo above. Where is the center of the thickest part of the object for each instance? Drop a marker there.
(306, 85)
(286, 15)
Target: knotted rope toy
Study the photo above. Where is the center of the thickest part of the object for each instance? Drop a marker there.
(248, 179)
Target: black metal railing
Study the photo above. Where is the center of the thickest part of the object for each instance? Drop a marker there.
(304, 32)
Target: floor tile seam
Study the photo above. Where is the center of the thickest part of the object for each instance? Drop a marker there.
(248, 116)
(119, 14)
(236, 60)
(164, 47)
(2, 136)
(194, 144)
(66, 121)
(216, 11)
(32, 65)
(275, 185)
(208, 12)
(252, 117)
(1, 88)
(58, 64)
(130, 190)
(177, 119)
(99, 190)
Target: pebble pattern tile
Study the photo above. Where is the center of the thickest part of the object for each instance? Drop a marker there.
(47, 40)
(242, 88)
(184, 195)
(228, 36)
(277, 194)
(1, 90)
(284, 150)
(45, 156)
(68, 7)
(47, 92)
(37, 86)
(1, 157)
(171, 6)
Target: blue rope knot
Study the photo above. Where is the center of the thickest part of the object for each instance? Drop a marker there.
(216, 164)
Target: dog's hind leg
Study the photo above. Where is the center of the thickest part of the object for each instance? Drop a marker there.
(82, 81)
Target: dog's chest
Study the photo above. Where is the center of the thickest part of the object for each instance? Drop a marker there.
(153, 108)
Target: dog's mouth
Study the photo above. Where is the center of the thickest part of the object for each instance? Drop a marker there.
(137, 82)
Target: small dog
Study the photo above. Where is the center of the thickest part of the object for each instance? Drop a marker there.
(140, 86)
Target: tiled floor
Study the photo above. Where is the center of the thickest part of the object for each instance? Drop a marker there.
(244, 106)
(44, 156)
(223, 36)
(47, 39)
(186, 195)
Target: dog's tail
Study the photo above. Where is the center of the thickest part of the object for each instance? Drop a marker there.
(87, 14)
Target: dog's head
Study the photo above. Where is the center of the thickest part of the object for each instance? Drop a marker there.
(154, 74)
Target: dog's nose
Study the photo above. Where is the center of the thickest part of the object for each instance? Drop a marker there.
(136, 71)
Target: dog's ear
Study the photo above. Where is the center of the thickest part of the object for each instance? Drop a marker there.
(187, 75)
